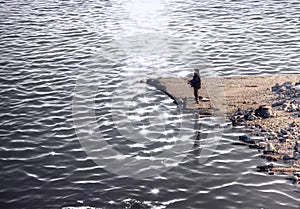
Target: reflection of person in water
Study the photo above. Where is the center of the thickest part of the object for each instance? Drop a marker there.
(196, 84)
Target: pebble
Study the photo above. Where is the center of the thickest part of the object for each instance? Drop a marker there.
(284, 132)
(246, 138)
(279, 103)
(294, 179)
(293, 124)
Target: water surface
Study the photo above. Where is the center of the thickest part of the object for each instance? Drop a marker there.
(47, 45)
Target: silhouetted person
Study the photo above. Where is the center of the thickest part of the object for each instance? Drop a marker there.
(196, 84)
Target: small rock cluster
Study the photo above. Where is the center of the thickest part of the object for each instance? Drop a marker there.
(277, 142)
(288, 98)
(242, 116)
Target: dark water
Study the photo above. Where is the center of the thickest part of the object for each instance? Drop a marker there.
(58, 55)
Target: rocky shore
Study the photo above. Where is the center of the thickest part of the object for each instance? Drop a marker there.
(279, 128)
(268, 105)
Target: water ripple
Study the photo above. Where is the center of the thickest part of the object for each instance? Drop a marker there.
(46, 44)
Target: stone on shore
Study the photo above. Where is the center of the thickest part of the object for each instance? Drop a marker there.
(264, 111)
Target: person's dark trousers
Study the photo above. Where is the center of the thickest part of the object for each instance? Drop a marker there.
(196, 92)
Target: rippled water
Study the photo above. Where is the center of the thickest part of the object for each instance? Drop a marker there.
(96, 53)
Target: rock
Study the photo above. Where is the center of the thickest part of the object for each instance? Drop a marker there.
(271, 158)
(271, 173)
(250, 117)
(282, 140)
(143, 81)
(297, 88)
(252, 127)
(285, 105)
(240, 112)
(276, 87)
(262, 168)
(287, 84)
(246, 139)
(293, 124)
(272, 133)
(294, 179)
(297, 83)
(240, 119)
(261, 140)
(293, 108)
(296, 146)
(233, 120)
(264, 111)
(262, 145)
(284, 132)
(276, 104)
(286, 157)
(290, 106)
(254, 146)
(270, 137)
(257, 125)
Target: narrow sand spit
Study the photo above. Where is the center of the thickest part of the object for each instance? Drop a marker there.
(267, 104)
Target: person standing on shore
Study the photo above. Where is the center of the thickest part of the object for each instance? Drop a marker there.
(196, 84)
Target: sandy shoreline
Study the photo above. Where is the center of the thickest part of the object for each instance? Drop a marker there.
(267, 104)
(242, 91)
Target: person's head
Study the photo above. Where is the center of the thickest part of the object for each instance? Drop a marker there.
(197, 71)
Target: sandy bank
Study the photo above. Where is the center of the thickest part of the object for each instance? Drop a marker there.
(267, 104)
(235, 92)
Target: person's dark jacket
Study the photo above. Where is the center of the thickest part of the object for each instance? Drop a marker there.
(195, 82)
